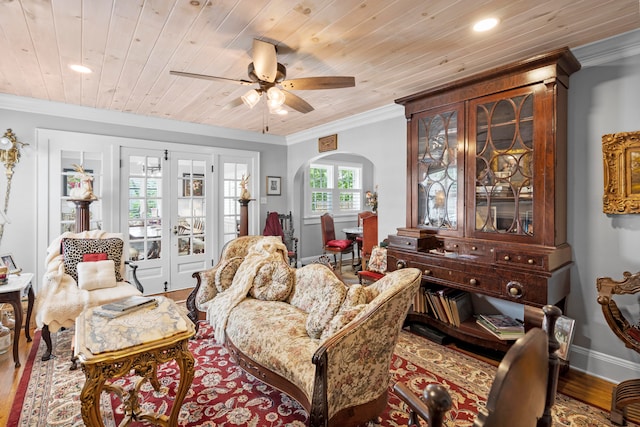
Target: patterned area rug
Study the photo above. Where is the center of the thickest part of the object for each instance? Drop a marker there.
(223, 394)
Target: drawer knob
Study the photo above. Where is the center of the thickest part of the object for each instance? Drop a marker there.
(401, 264)
(507, 257)
(473, 282)
(455, 246)
(531, 261)
(515, 289)
(407, 243)
(474, 248)
(427, 273)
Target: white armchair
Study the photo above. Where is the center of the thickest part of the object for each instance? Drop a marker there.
(83, 270)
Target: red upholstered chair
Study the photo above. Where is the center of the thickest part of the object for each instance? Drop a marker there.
(333, 245)
(369, 237)
(376, 266)
(360, 239)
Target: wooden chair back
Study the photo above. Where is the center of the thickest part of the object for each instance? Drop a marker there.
(626, 392)
(369, 236)
(328, 230)
(523, 391)
(283, 227)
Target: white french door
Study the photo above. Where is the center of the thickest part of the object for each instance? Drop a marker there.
(166, 205)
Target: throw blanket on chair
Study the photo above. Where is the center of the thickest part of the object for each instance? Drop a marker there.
(58, 286)
(269, 249)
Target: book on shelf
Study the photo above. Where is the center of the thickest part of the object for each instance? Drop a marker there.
(461, 307)
(502, 322)
(128, 303)
(501, 335)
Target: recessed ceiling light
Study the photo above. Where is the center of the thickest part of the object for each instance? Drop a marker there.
(80, 68)
(485, 24)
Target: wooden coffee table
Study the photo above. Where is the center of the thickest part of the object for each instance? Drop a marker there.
(138, 342)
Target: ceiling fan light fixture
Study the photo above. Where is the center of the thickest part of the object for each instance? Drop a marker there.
(275, 96)
(251, 98)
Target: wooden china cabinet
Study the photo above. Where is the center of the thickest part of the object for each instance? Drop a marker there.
(486, 175)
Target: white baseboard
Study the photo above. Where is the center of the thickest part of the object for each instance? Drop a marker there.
(604, 366)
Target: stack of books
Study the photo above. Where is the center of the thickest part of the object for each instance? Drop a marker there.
(501, 326)
(125, 306)
(449, 305)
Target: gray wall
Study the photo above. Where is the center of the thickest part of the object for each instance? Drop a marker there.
(604, 97)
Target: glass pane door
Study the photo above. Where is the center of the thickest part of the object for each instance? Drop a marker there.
(504, 155)
(439, 154)
(145, 207)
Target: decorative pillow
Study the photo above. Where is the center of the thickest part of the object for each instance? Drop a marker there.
(96, 275)
(342, 244)
(356, 295)
(272, 282)
(94, 257)
(378, 260)
(73, 251)
(327, 301)
(226, 271)
(341, 319)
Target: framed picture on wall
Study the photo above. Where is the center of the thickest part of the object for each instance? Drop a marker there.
(273, 186)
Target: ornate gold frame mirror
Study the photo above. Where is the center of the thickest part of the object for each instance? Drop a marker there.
(621, 156)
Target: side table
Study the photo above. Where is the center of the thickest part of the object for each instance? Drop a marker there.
(12, 293)
(138, 342)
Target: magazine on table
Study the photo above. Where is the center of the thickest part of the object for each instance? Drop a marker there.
(129, 303)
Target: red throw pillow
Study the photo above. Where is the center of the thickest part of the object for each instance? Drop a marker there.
(342, 244)
(94, 257)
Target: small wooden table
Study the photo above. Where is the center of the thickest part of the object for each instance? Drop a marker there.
(11, 293)
(139, 341)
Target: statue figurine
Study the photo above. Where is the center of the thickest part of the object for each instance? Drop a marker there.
(244, 193)
(85, 190)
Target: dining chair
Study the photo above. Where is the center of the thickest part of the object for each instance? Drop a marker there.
(333, 245)
(359, 241)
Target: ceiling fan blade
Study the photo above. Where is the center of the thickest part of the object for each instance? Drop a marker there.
(235, 103)
(206, 77)
(297, 103)
(307, 83)
(265, 62)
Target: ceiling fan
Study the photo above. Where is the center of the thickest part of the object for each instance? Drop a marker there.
(268, 73)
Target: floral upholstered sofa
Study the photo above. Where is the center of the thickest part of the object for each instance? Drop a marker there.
(304, 331)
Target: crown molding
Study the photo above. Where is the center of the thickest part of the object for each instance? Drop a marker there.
(59, 109)
(608, 50)
(386, 112)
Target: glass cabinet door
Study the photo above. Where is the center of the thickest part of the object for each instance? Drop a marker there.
(438, 156)
(503, 157)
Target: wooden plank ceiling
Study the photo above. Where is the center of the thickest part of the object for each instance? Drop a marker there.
(393, 48)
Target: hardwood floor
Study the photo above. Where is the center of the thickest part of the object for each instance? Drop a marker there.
(575, 384)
